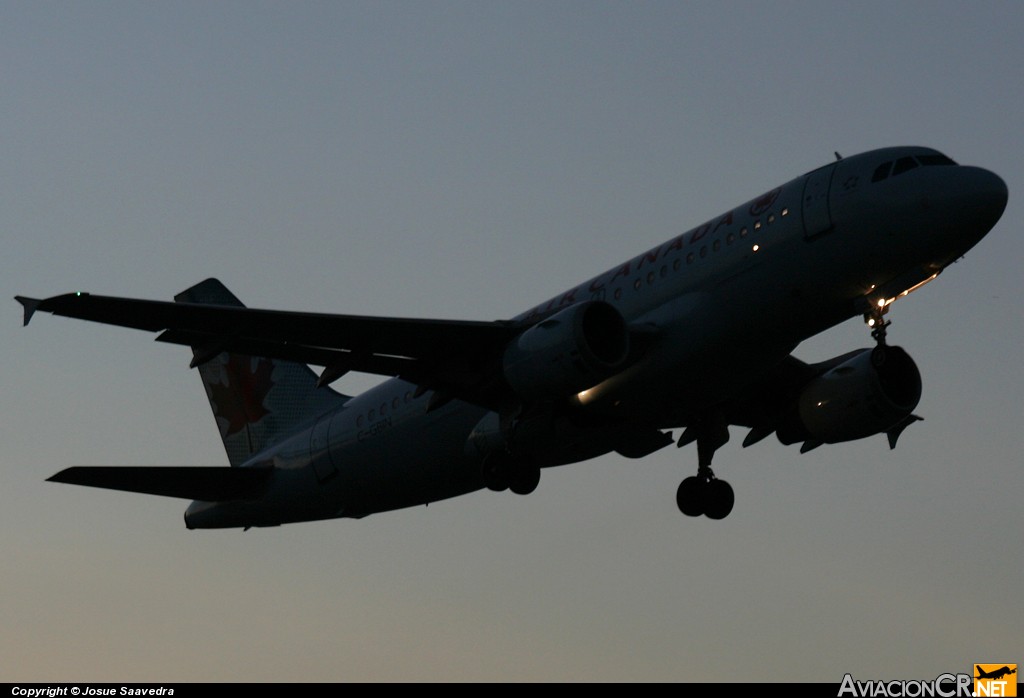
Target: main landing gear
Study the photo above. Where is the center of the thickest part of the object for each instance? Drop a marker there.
(704, 494)
(503, 472)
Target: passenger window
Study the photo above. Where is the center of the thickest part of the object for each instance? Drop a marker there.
(703, 251)
(881, 172)
(716, 245)
(676, 264)
(904, 164)
(689, 258)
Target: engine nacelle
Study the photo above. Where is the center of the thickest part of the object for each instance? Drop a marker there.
(856, 399)
(570, 351)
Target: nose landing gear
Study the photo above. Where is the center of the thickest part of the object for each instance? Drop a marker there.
(875, 319)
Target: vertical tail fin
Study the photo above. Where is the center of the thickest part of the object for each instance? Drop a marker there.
(256, 400)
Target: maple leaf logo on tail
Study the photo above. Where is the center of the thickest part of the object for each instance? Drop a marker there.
(239, 400)
(252, 411)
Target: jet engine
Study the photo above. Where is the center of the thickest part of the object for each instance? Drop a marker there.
(867, 394)
(570, 351)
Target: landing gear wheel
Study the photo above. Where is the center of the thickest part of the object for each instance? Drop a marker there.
(690, 496)
(705, 495)
(495, 472)
(718, 499)
(524, 478)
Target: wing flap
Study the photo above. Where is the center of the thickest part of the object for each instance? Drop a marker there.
(186, 482)
(381, 365)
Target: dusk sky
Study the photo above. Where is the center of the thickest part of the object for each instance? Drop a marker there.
(467, 161)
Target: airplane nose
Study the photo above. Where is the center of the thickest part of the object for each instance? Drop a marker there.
(998, 192)
(985, 195)
(964, 205)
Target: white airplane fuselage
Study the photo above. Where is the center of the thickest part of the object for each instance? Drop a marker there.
(726, 301)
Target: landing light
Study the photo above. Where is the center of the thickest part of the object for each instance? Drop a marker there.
(919, 285)
(883, 302)
(756, 248)
(588, 395)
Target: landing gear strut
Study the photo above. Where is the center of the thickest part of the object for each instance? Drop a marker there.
(704, 494)
(875, 319)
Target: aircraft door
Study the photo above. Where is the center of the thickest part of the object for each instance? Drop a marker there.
(319, 450)
(816, 214)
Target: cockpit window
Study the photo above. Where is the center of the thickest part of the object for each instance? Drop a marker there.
(937, 159)
(904, 164)
(907, 163)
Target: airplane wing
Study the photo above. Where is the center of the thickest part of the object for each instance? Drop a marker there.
(455, 357)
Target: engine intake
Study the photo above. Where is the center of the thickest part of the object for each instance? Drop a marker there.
(570, 351)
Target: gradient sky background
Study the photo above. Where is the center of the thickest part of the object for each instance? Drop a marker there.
(468, 160)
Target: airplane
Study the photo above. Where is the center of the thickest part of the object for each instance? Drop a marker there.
(695, 334)
(996, 674)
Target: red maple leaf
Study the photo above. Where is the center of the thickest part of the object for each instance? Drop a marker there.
(764, 203)
(240, 400)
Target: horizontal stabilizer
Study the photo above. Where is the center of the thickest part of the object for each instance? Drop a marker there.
(187, 482)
